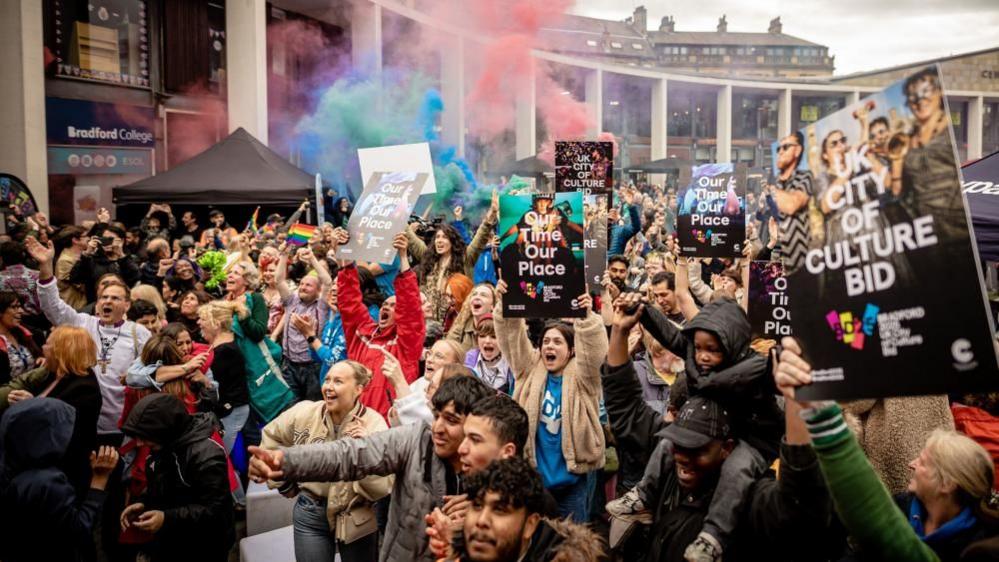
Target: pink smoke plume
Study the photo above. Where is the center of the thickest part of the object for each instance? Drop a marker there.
(192, 133)
(505, 67)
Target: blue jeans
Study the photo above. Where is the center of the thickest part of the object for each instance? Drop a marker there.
(315, 543)
(574, 500)
(231, 425)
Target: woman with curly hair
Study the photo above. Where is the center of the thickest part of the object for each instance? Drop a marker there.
(450, 256)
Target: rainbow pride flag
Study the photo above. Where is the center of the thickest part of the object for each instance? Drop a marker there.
(299, 234)
(251, 225)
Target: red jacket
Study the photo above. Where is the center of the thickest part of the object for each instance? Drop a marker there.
(404, 339)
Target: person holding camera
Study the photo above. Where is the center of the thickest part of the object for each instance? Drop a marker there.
(104, 254)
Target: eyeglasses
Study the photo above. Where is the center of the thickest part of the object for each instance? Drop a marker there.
(787, 146)
(837, 142)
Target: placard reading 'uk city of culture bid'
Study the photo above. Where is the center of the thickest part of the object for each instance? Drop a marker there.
(883, 277)
(541, 254)
(588, 167)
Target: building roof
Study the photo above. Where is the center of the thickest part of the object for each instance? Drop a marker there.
(606, 38)
(922, 63)
(715, 38)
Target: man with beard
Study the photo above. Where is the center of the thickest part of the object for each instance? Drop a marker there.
(301, 371)
(664, 296)
(425, 460)
(794, 189)
(504, 522)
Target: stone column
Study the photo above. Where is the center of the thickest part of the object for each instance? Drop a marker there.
(246, 66)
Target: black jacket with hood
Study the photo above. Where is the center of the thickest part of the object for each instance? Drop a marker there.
(742, 383)
(187, 480)
(41, 518)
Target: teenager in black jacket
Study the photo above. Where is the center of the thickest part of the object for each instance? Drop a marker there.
(187, 506)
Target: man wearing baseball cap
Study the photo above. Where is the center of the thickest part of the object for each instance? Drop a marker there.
(779, 518)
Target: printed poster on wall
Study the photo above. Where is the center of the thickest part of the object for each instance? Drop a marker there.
(883, 276)
(541, 254)
(711, 211)
(381, 212)
(769, 309)
(584, 165)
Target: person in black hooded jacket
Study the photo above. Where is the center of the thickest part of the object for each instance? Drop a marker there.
(38, 500)
(187, 506)
(720, 366)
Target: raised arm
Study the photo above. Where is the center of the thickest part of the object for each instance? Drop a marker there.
(683, 297)
(665, 332)
(590, 347)
(346, 460)
(483, 235)
(410, 324)
(58, 312)
(281, 275)
(511, 334)
(355, 315)
(633, 423)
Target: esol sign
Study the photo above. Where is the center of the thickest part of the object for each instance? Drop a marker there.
(78, 122)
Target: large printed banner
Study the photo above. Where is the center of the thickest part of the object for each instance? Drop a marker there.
(584, 165)
(883, 278)
(541, 254)
(769, 310)
(381, 212)
(711, 213)
(588, 167)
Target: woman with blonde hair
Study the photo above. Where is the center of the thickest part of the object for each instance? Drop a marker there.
(70, 355)
(150, 294)
(228, 365)
(331, 517)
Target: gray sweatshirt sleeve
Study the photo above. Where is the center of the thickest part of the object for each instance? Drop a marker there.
(346, 460)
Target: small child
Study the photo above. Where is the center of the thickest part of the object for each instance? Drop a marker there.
(720, 365)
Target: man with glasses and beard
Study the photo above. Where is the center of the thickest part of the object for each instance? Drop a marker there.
(504, 521)
(794, 189)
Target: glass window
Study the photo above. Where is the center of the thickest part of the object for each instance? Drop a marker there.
(102, 40)
(591, 42)
(990, 128)
(806, 110)
(959, 120)
(615, 44)
(683, 50)
(636, 46)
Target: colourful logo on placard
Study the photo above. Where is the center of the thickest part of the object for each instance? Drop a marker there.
(532, 290)
(701, 235)
(853, 330)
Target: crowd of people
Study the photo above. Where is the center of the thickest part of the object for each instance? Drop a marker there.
(412, 420)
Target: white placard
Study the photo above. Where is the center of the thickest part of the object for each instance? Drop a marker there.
(398, 158)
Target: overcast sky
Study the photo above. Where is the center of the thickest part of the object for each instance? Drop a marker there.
(863, 34)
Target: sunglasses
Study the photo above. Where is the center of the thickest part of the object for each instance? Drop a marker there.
(922, 91)
(837, 142)
(787, 146)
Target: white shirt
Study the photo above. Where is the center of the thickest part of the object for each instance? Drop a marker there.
(129, 338)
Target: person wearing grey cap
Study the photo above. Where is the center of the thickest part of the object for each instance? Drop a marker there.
(777, 518)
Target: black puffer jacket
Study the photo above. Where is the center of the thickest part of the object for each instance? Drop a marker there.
(188, 480)
(742, 383)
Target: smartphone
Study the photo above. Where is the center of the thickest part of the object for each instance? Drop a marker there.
(107, 240)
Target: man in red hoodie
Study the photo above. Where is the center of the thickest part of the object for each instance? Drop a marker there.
(400, 328)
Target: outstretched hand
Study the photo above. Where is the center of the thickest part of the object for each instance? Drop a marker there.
(791, 371)
(627, 310)
(265, 465)
(41, 253)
